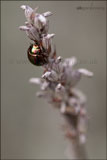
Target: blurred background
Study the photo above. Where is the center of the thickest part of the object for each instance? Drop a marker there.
(30, 127)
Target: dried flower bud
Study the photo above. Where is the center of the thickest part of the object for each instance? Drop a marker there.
(28, 12)
(46, 41)
(35, 80)
(58, 59)
(24, 28)
(33, 34)
(40, 22)
(44, 85)
(85, 72)
(46, 14)
(59, 88)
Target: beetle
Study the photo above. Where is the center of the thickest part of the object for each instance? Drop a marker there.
(36, 54)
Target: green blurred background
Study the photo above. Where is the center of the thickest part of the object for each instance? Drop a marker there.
(31, 128)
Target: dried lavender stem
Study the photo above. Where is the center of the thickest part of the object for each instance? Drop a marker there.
(78, 151)
(58, 81)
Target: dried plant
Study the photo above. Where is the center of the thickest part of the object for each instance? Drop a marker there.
(58, 81)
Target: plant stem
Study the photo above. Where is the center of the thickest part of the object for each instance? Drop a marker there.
(79, 150)
(76, 149)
